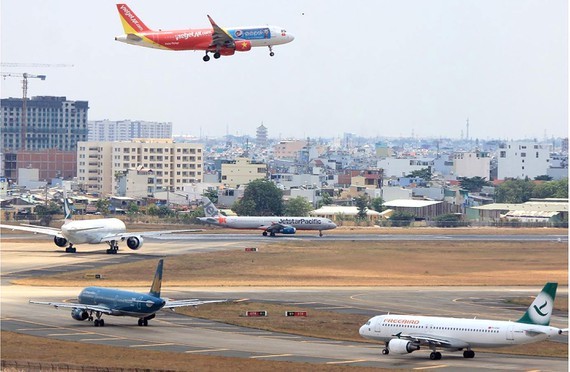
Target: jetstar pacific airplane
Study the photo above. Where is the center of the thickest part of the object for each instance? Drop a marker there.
(216, 40)
(404, 334)
(269, 225)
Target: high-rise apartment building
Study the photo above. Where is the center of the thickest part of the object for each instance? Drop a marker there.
(174, 164)
(126, 130)
(45, 138)
(521, 159)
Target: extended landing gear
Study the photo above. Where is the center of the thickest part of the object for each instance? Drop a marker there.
(264, 233)
(271, 51)
(321, 233)
(469, 354)
(206, 58)
(385, 351)
(98, 322)
(113, 247)
(435, 355)
(70, 249)
(143, 322)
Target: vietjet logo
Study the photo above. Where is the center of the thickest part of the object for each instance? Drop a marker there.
(132, 18)
(222, 219)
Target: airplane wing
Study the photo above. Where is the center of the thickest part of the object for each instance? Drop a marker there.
(35, 229)
(115, 237)
(433, 340)
(71, 305)
(171, 304)
(220, 37)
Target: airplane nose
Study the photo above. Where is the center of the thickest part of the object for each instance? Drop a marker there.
(291, 37)
(362, 330)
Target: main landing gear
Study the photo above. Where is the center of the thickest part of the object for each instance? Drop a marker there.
(385, 351)
(97, 322)
(321, 233)
(469, 354)
(435, 355)
(206, 58)
(113, 247)
(143, 322)
(70, 249)
(271, 233)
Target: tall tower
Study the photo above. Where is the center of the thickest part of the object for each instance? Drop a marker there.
(261, 136)
(467, 131)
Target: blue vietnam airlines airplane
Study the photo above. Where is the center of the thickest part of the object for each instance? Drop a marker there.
(98, 301)
(404, 334)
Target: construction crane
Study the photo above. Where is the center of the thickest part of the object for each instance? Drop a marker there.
(25, 76)
(13, 64)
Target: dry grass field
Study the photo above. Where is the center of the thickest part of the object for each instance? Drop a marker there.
(356, 263)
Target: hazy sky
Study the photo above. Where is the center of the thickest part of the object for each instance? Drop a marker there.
(368, 67)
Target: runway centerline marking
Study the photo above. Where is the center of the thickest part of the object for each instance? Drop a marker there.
(152, 345)
(347, 361)
(269, 356)
(204, 350)
(431, 367)
(102, 339)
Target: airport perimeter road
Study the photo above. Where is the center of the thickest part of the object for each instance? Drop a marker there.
(173, 332)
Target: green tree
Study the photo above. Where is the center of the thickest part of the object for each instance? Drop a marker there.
(261, 198)
(514, 191)
(399, 218)
(132, 210)
(212, 195)
(448, 220)
(377, 204)
(544, 177)
(46, 212)
(298, 206)
(424, 173)
(163, 211)
(152, 210)
(362, 206)
(326, 199)
(103, 205)
(561, 188)
(473, 184)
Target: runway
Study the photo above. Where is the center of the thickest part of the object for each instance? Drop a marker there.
(173, 332)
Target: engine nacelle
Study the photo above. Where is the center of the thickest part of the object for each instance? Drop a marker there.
(243, 45)
(288, 230)
(79, 314)
(398, 346)
(135, 242)
(59, 241)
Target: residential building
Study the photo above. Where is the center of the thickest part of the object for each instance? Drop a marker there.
(126, 130)
(99, 164)
(242, 171)
(472, 164)
(288, 149)
(51, 129)
(522, 159)
(400, 167)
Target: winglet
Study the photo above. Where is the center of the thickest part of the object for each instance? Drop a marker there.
(131, 23)
(540, 310)
(157, 282)
(66, 207)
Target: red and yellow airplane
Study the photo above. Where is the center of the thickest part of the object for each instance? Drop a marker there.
(216, 40)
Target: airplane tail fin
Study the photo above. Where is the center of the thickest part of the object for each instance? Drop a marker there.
(540, 310)
(157, 282)
(131, 23)
(66, 207)
(210, 209)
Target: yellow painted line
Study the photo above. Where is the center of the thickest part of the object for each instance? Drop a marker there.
(204, 350)
(35, 329)
(270, 356)
(347, 361)
(431, 367)
(152, 345)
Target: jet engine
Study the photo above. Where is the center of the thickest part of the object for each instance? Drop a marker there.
(402, 346)
(288, 230)
(243, 45)
(135, 242)
(79, 314)
(59, 241)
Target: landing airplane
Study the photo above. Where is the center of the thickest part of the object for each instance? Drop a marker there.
(405, 333)
(216, 40)
(117, 302)
(269, 225)
(100, 230)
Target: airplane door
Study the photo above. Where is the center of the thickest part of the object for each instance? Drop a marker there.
(510, 335)
(377, 326)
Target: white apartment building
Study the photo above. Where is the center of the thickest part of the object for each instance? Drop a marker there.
(126, 130)
(472, 164)
(242, 171)
(396, 167)
(521, 159)
(99, 164)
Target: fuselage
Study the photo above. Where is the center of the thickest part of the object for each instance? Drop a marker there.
(92, 231)
(254, 222)
(472, 332)
(201, 39)
(121, 303)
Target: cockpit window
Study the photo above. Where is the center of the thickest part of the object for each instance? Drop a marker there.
(284, 31)
(368, 322)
